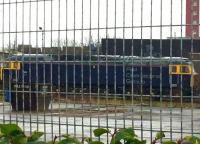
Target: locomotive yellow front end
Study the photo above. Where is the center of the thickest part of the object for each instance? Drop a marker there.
(9, 65)
(184, 77)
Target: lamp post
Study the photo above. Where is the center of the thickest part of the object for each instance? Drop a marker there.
(40, 28)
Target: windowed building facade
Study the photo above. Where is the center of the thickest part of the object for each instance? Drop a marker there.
(192, 18)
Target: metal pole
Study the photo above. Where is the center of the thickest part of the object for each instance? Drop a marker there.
(41, 29)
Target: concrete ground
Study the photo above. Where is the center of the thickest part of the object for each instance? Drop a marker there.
(81, 119)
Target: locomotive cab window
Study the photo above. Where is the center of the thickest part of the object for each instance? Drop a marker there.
(6, 65)
(173, 69)
(185, 69)
(15, 65)
(179, 69)
(11, 65)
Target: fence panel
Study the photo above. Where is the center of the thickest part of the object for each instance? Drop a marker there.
(71, 66)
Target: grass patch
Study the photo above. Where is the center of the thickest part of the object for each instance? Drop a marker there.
(146, 101)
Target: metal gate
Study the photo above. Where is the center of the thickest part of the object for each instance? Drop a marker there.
(71, 66)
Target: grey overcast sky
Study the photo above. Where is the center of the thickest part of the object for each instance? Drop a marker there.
(19, 21)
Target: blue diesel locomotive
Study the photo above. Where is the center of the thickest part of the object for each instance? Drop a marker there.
(35, 74)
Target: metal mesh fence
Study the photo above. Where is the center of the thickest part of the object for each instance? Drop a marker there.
(70, 66)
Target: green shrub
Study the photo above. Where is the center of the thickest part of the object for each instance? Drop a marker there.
(13, 134)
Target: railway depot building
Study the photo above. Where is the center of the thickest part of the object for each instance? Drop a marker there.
(185, 47)
(159, 47)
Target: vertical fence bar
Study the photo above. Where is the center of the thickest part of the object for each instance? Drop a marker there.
(132, 72)
(37, 65)
(23, 65)
(52, 91)
(3, 61)
(59, 67)
(106, 64)
(30, 85)
(90, 63)
(141, 70)
(115, 64)
(192, 94)
(74, 66)
(82, 64)
(66, 65)
(123, 55)
(16, 39)
(161, 68)
(42, 94)
(171, 91)
(151, 73)
(181, 94)
(9, 45)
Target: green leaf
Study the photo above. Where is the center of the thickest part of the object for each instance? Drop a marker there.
(96, 142)
(19, 139)
(88, 140)
(100, 131)
(4, 141)
(69, 140)
(136, 141)
(1, 135)
(192, 139)
(51, 142)
(159, 135)
(38, 142)
(10, 129)
(65, 135)
(126, 134)
(35, 136)
(168, 142)
(143, 142)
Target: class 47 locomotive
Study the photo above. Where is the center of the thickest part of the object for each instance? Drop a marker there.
(118, 74)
